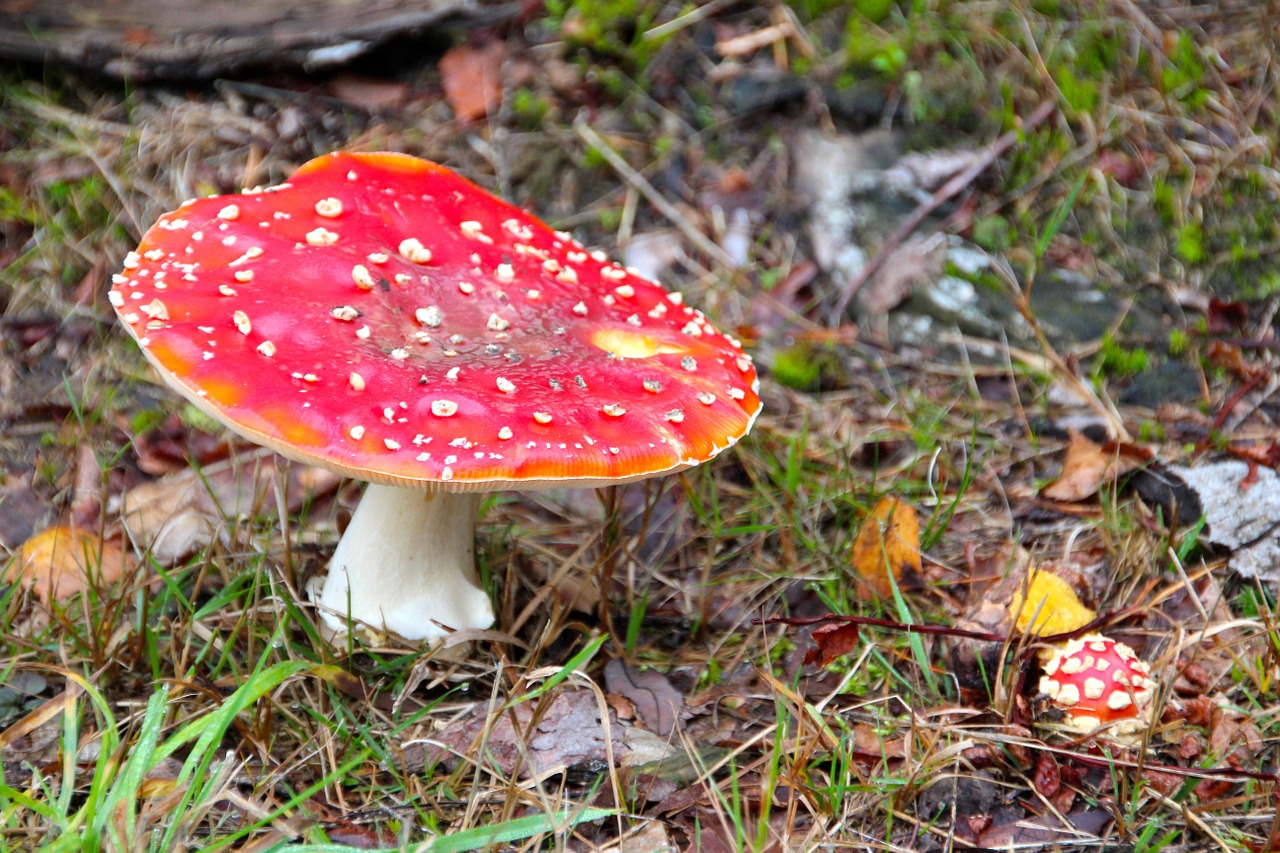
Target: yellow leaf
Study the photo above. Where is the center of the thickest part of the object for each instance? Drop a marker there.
(60, 561)
(1051, 603)
(888, 544)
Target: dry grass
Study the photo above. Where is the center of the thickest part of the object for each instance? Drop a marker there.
(195, 706)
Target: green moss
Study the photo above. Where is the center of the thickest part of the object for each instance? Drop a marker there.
(1190, 243)
(1116, 361)
(809, 367)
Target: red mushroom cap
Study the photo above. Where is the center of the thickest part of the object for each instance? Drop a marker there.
(384, 317)
(1098, 682)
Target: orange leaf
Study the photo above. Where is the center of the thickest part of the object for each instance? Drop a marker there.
(888, 544)
(1089, 466)
(472, 79)
(60, 561)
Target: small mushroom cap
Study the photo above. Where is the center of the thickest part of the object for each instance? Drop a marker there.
(382, 316)
(1098, 682)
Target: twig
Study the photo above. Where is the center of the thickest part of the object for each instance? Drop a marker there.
(637, 180)
(945, 192)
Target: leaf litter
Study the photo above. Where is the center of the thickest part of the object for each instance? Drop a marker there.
(792, 661)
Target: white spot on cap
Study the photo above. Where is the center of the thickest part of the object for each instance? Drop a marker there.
(413, 249)
(244, 276)
(356, 432)
(391, 444)
(1118, 701)
(475, 231)
(363, 333)
(580, 309)
(241, 320)
(229, 212)
(675, 416)
(505, 273)
(505, 385)
(466, 287)
(505, 433)
(156, 310)
(356, 380)
(653, 386)
(249, 254)
(452, 374)
(542, 417)
(567, 276)
(497, 324)
(429, 316)
(443, 408)
(267, 348)
(688, 363)
(706, 398)
(321, 237)
(345, 313)
(613, 410)
(115, 298)
(329, 207)
(625, 291)
(360, 275)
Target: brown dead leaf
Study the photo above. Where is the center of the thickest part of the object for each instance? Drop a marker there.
(1046, 779)
(472, 79)
(566, 733)
(1089, 466)
(60, 561)
(370, 93)
(659, 706)
(888, 545)
(917, 262)
(177, 515)
(832, 641)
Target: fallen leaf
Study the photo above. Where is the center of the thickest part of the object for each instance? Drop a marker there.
(1089, 466)
(832, 641)
(177, 515)
(652, 837)
(60, 561)
(472, 79)
(887, 547)
(1050, 606)
(369, 93)
(566, 735)
(1046, 779)
(658, 704)
(917, 262)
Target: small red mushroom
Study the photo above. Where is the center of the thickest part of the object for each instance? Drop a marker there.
(383, 317)
(1098, 682)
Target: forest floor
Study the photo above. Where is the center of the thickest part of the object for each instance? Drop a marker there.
(1009, 274)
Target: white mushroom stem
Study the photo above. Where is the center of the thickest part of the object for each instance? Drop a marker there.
(406, 565)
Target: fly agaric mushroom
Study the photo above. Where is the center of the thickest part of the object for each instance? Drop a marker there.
(1098, 682)
(383, 317)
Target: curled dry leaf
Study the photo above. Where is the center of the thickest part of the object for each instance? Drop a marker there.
(1089, 466)
(472, 79)
(832, 641)
(887, 547)
(60, 561)
(1049, 607)
(658, 704)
